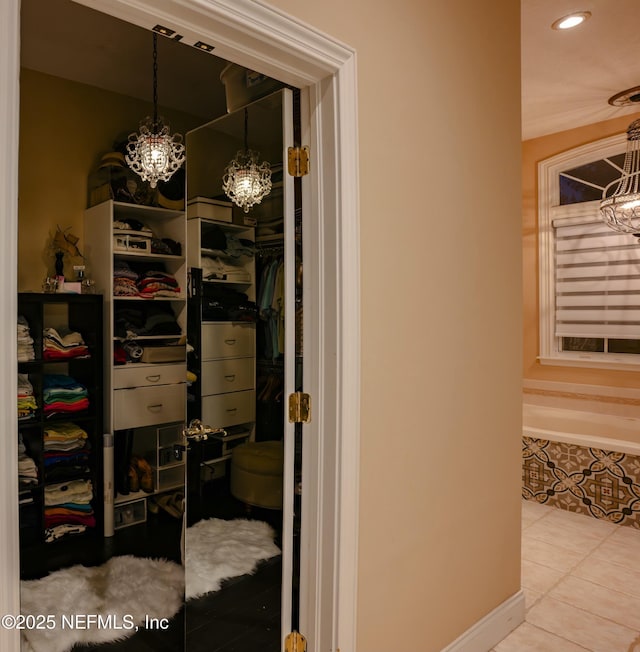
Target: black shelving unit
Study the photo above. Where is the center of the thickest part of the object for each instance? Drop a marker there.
(83, 314)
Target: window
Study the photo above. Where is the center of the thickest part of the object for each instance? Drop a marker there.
(589, 274)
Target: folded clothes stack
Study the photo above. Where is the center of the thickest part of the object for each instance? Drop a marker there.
(68, 508)
(27, 468)
(124, 280)
(143, 281)
(63, 394)
(27, 405)
(25, 341)
(157, 283)
(66, 451)
(62, 345)
(217, 269)
(153, 318)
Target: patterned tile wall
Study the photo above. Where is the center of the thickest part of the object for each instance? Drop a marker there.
(591, 481)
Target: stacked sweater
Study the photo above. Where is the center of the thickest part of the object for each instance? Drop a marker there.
(27, 405)
(157, 283)
(27, 468)
(25, 341)
(68, 508)
(63, 395)
(66, 452)
(124, 280)
(218, 269)
(62, 345)
(136, 319)
(143, 281)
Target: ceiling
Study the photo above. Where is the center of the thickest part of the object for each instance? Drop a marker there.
(567, 76)
(65, 39)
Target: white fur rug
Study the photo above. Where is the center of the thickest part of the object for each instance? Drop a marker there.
(217, 550)
(62, 608)
(124, 591)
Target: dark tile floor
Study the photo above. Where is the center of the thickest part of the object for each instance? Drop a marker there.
(244, 615)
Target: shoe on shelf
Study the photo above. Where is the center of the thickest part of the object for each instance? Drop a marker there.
(144, 472)
(165, 502)
(134, 481)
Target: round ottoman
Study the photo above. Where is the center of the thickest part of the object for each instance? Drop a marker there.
(256, 473)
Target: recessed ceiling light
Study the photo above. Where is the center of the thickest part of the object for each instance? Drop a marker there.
(630, 97)
(572, 20)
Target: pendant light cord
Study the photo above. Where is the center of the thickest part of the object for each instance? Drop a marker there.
(246, 129)
(155, 80)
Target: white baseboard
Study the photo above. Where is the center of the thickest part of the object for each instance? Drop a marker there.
(491, 629)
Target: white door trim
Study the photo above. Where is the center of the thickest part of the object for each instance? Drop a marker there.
(253, 34)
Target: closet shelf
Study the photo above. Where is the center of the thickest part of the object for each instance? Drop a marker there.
(143, 255)
(179, 297)
(221, 281)
(146, 337)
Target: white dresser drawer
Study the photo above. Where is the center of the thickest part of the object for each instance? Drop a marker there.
(224, 410)
(227, 375)
(143, 375)
(146, 406)
(228, 340)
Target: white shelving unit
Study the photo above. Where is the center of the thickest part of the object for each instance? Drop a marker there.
(148, 397)
(226, 349)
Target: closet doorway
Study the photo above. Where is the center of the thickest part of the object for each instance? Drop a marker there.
(141, 396)
(328, 381)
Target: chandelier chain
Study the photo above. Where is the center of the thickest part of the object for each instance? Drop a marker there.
(153, 153)
(155, 78)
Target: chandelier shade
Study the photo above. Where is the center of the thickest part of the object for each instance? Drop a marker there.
(620, 205)
(152, 153)
(245, 181)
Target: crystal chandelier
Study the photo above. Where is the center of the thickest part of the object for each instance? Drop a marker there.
(620, 205)
(152, 152)
(245, 181)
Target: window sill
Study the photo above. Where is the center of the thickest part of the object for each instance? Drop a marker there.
(586, 361)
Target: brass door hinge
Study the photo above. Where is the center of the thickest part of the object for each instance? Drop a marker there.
(298, 161)
(299, 407)
(295, 642)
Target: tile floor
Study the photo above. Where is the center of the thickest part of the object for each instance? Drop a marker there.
(581, 580)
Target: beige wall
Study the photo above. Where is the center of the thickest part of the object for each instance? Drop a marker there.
(438, 93)
(65, 128)
(534, 151)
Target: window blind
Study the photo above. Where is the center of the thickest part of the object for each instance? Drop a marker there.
(597, 281)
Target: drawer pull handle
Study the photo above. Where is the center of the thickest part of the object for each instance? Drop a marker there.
(153, 379)
(232, 409)
(230, 342)
(155, 406)
(230, 378)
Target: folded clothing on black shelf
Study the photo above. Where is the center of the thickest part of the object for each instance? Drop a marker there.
(63, 344)
(27, 405)
(63, 394)
(25, 341)
(225, 304)
(27, 468)
(69, 503)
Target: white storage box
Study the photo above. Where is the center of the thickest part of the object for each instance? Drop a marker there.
(131, 513)
(126, 241)
(210, 209)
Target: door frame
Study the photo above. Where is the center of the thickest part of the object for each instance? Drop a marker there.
(260, 37)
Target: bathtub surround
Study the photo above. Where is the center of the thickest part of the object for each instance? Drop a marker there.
(600, 483)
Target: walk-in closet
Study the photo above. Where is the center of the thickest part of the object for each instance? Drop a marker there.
(158, 349)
